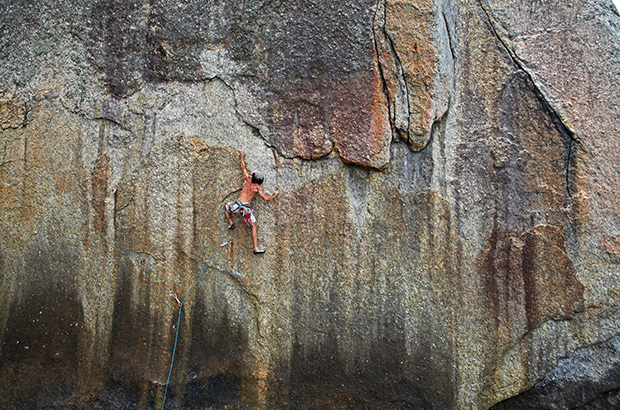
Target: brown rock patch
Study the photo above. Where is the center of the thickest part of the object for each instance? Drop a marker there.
(530, 279)
(12, 113)
(611, 246)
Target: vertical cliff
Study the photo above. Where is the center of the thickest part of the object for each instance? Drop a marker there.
(447, 234)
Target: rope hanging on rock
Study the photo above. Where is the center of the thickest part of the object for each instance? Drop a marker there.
(181, 303)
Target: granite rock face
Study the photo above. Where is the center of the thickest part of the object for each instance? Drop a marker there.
(446, 234)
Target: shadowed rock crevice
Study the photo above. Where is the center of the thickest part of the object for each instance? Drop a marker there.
(588, 379)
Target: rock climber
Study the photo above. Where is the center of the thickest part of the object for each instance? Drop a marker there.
(251, 187)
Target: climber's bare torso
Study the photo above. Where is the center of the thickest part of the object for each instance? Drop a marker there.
(249, 190)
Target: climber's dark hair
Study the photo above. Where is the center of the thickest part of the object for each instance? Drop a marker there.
(257, 177)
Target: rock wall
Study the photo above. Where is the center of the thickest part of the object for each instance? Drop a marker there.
(447, 234)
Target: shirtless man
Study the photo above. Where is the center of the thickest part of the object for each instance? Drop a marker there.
(251, 187)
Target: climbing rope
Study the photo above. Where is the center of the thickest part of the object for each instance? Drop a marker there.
(181, 303)
(230, 193)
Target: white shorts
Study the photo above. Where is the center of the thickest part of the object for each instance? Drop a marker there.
(243, 209)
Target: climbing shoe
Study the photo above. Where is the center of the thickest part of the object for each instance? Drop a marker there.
(259, 251)
(232, 226)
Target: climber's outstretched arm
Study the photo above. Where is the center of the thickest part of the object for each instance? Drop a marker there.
(246, 174)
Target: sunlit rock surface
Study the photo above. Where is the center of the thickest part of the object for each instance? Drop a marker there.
(446, 234)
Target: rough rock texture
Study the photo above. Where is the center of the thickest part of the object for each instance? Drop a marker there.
(588, 379)
(447, 234)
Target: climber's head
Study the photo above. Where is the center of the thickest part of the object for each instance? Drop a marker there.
(258, 177)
